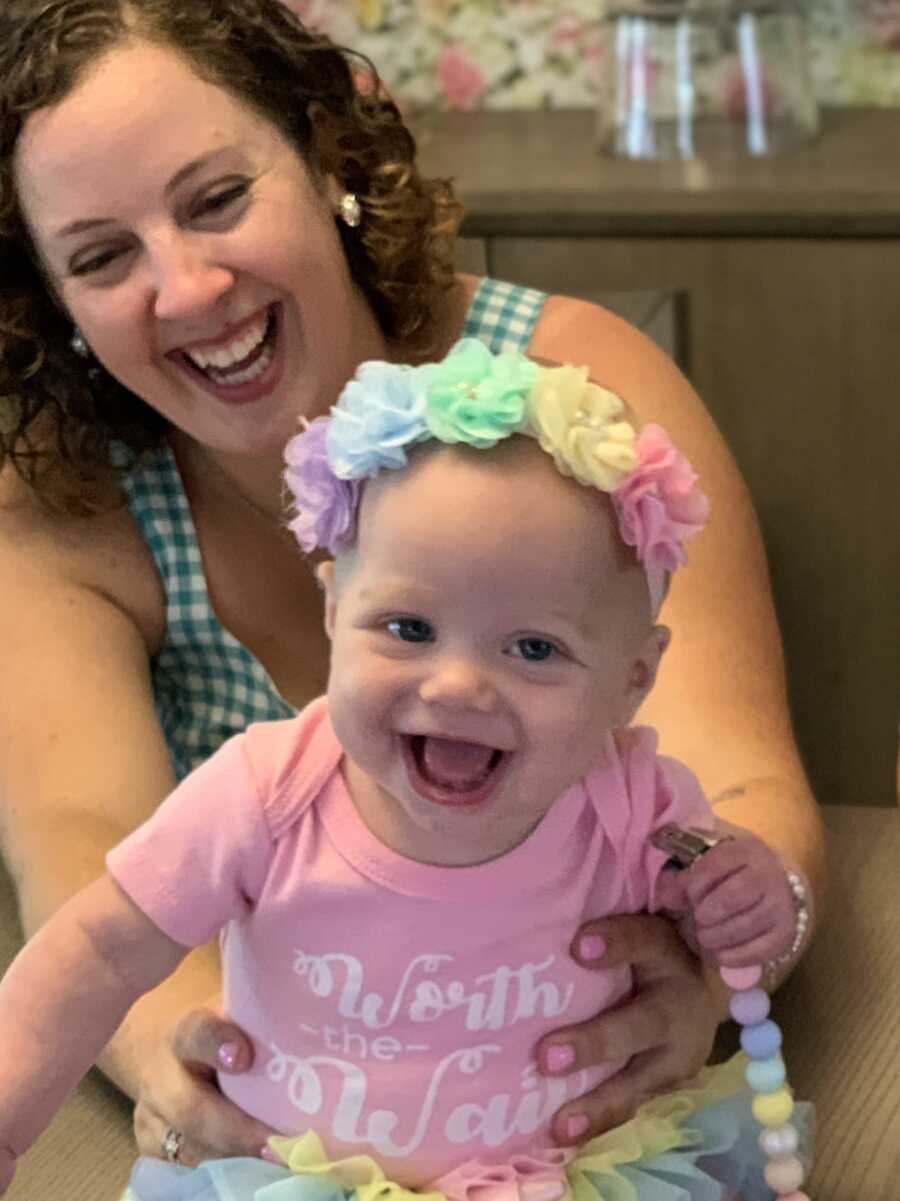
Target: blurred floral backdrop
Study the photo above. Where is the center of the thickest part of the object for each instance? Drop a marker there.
(531, 53)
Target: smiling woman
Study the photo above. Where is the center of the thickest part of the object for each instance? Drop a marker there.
(217, 226)
(169, 281)
(209, 218)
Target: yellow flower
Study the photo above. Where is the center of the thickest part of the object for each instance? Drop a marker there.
(369, 13)
(583, 426)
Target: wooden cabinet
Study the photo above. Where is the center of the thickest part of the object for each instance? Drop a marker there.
(789, 274)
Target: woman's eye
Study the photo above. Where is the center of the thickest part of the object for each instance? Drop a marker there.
(534, 650)
(96, 263)
(218, 201)
(410, 629)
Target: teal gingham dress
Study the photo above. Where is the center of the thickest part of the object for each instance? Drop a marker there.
(206, 685)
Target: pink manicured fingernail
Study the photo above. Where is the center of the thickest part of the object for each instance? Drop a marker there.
(576, 1126)
(228, 1053)
(591, 946)
(560, 1057)
(268, 1154)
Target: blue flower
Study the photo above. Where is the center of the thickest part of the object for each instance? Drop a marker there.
(378, 415)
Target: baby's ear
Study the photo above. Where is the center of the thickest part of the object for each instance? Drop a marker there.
(644, 669)
(325, 576)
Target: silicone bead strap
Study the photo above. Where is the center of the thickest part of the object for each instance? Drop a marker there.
(773, 1102)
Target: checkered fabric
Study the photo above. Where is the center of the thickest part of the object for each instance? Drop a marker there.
(503, 316)
(206, 685)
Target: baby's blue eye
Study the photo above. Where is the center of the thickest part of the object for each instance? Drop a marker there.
(411, 629)
(534, 650)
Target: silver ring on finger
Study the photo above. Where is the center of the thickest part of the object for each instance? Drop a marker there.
(171, 1144)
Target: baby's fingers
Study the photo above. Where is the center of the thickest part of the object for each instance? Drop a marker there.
(758, 950)
(752, 937)
(731, 898)
(735, 931)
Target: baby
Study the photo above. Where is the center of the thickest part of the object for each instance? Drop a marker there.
(396, 872)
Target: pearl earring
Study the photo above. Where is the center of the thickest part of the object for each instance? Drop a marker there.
(351, 213)
(79, 345)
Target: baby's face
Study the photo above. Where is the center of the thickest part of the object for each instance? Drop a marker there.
(489, 630)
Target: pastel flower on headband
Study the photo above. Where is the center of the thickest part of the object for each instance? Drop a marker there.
(324, 504)
(583, 427)
(659, 504)
(382, 411)
(477, 397)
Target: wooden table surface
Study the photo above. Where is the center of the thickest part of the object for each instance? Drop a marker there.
(840, 1013)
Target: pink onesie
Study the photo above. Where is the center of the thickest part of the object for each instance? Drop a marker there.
(394, 1006)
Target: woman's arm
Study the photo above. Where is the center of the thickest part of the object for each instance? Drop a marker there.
(719, 702)
(63, 997)
(82, 763)
(719, 705)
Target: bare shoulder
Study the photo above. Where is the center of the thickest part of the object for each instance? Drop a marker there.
(622, 359)
(104, 555)
(82, 757)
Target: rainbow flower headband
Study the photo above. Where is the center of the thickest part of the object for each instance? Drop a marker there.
(479, 398)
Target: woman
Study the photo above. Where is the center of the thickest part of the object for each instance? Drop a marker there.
(206, 223)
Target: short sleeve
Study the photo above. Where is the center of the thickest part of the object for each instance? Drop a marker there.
(679, 799)
(651, 790)
(201, 860)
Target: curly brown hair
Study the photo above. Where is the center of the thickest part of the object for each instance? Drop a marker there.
(63, 419)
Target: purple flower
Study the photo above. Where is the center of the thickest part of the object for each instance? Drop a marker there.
(324, 506)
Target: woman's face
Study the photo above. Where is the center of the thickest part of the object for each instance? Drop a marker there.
(195, 250)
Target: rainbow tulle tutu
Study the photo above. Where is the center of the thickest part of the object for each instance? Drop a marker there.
(696, 1144)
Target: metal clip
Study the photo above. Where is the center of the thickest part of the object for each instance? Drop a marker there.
(685, 844)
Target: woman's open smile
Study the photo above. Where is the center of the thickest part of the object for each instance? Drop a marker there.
(244, 365)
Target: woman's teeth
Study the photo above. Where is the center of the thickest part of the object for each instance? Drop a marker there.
(220, 364)
(248, 373)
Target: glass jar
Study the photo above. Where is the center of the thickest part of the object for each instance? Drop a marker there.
(704, 78)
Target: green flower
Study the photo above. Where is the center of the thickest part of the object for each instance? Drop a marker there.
(476, 397)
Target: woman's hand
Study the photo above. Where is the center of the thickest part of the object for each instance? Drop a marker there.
(179, 1092)
(666, 1027)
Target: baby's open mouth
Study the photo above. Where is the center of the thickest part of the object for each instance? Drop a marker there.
(450, 770)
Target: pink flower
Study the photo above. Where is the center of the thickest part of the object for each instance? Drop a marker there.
(659, 504)
(460, 77)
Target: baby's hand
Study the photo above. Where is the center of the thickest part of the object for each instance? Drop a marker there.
(739, 899)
